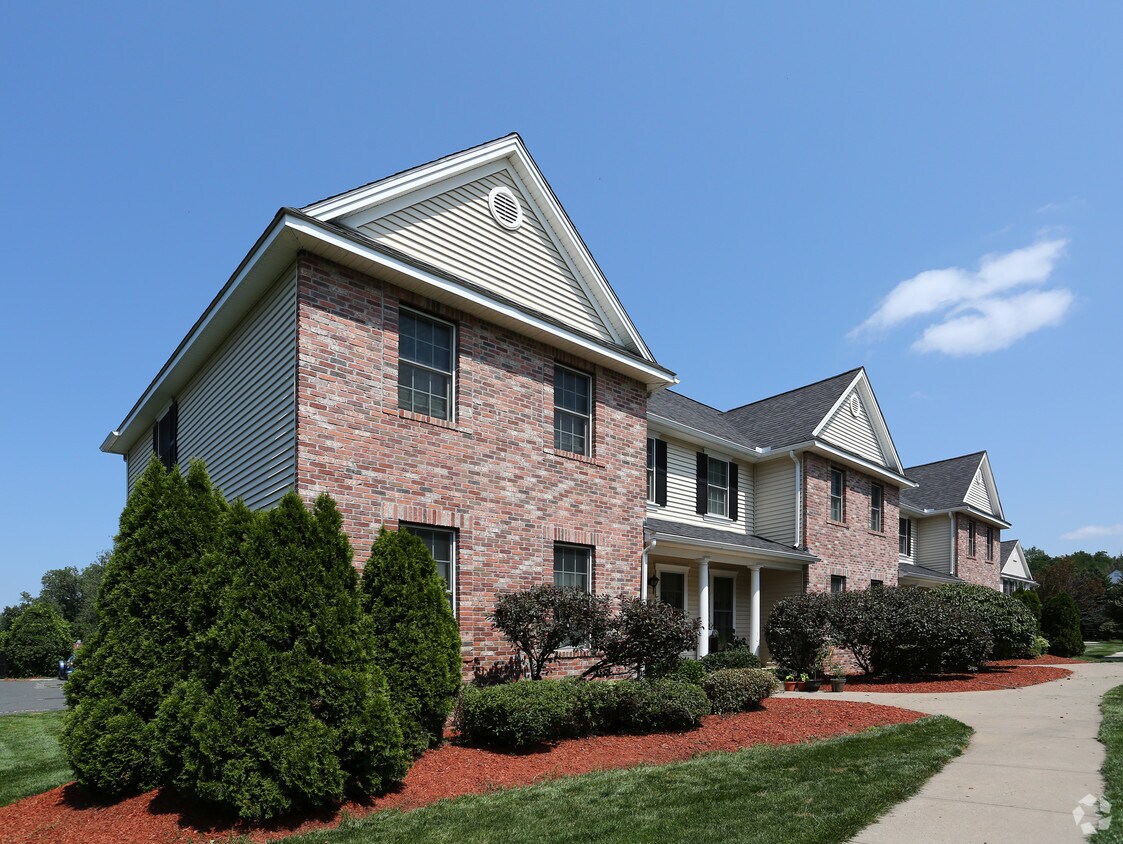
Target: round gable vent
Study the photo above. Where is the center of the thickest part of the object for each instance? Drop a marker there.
(505, 208)
(855, 405)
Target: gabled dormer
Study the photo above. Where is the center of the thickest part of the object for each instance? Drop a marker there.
(1015, 568)
(962, 484)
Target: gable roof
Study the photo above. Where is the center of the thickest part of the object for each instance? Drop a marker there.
(800, 417)
(1014, 564)
(508, 156)
(945, 484)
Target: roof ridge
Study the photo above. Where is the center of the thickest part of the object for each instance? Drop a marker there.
(795, 389)
(946, 460)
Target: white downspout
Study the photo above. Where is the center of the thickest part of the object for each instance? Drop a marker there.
(798, 500)
(952, 567)
(643, 570)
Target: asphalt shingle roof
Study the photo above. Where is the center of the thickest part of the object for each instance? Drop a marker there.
(774, 422)
(1007, 549)
(943, 484)
(750, 543)
(909, 570)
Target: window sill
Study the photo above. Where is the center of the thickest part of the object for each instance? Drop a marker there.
(425, 420)
(577, 458)
(720, 520)
(652, 507)
(842, 525)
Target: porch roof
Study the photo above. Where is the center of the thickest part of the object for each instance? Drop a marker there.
(728, 540)
(922, 573)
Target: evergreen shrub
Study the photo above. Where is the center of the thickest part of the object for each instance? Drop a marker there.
(1060, 624)
(1012, 624)
(738, 689)
(798, 631)
(517, 715)
(38, 638)
(688, 671)
(738, 656)
(418, 640)
(1032, 601)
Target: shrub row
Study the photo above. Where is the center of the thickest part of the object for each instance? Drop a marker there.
(901, 631)
(527, 713)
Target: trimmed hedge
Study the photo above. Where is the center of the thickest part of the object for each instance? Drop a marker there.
(738, 656)
(1060, 624)
(529, 713)
(1012, 624)
(798, 632)
(738, 689)
(688, 671)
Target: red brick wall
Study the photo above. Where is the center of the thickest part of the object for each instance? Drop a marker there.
(492, 474)
(977, 569)
(850, 548)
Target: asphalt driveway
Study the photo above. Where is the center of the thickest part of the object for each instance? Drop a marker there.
(30, 696)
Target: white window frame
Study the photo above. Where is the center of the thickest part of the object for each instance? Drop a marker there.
(990, 543)
(972, 543)
(588, 417)
(453, 340)
(684, 571)
(730, 467)
(831, 496)
(732, 575)
(880, 509)
(454, 552)
(590, 553)
(910, 543)
(651, 447)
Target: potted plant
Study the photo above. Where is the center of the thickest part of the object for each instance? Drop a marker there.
(810, 684)
(838, 675)
(789, 682)
(804, 679)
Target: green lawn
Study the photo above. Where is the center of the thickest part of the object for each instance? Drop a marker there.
(1097, 650)
(30, 758)
(1111, 736)
(820, 792)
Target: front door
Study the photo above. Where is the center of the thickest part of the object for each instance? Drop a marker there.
(723, 610)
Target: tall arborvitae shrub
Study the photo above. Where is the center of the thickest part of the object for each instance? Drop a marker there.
(417, 638)
(138, 651)
(1060, 624)
(36, 641)
(285, 707)
(1032, 600)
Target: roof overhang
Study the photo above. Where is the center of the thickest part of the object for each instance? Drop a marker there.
(966, 509)
(702, 438)
(923, 576)
(846, 458)
(732, 552)
(292, 232)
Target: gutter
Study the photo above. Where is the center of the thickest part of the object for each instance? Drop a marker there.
(798, 500)
(643, 570)
(800, 557)
(966, 508)
(953, 567)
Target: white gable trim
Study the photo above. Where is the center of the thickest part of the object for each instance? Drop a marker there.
(1017, 565)
(991, 485)
(861, 384)
(509, 150)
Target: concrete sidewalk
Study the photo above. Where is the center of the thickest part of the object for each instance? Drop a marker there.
(1033, 757)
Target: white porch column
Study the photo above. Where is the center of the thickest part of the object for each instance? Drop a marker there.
(754, 624)
(704, 606)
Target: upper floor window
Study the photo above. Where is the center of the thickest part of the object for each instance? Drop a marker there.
(426, 364)
(877, 503)
(970, 537)
(441, 543)
(656, 471)
(651, 469)
(572, 410)
(717, 487)
(165, 437)
(838, 583)
(573, 567)
(990, 542)
(838, 495)
(904, 539)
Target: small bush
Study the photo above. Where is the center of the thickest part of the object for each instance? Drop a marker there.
(738, 656)
(652, 706)
(37, 640)
(1040, 647)
(1060, 624)
(798, 631)
(542, 620)
(857, 620)
(688, 671)
(645, 637)
(517, 715)
(738, 689)
(1011, 623)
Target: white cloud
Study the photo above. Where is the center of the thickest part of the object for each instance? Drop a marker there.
(980, 311)
(1093, 531)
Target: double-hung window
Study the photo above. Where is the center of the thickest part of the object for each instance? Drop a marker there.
(573, 567)
(723, 609)
(970, 537)
(904, 540)
(165, 437)
(990, 542)
(717, 488)
(441, 543)
(651, 469)
(877, 505)
(573, 410)
(426, 364)
(838, 495)
(838, 583)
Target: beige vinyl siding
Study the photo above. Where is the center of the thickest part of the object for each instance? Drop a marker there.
(775, 500)
(682, 468)
(456, 232)
(138, 459)
(977, 494)
(238, 414)
(933, 543)
(855, 434)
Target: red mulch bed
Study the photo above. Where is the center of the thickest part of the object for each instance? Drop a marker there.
(65, 816)
(995, 676)
(1046, 659)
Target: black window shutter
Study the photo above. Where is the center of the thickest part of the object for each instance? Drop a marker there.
(661, 473)
(701, 500)
(156, 437)
(173, 423)
(732, 490)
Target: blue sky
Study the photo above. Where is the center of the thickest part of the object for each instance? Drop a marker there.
(757, 183)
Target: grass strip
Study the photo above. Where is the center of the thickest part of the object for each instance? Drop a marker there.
(1111, 736)
(824, 791)
(31, 760)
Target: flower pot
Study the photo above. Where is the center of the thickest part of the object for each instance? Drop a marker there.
(789, 685)
(812, 685)
(800, 685)
(838, 684)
